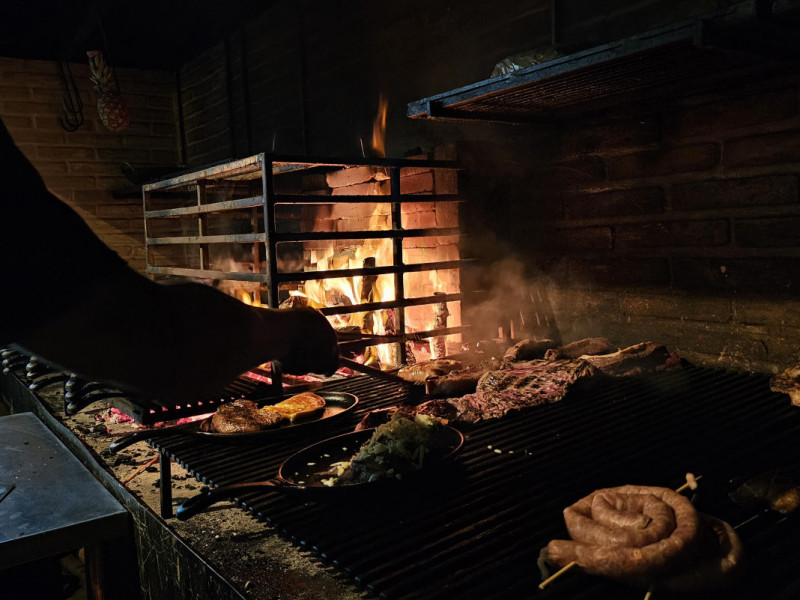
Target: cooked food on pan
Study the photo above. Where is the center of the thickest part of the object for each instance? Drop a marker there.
(397, 448)
(648, 536)
(297, 407)
(776, 489)
(244, 416)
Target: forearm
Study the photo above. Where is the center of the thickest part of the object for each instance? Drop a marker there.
(180, 341)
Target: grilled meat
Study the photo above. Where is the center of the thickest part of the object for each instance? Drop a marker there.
(457, 383)
(788, 382)
(500, 391)
(243, 416)
(419, 372)
(633, 360)
(528, 350)
(579, 348)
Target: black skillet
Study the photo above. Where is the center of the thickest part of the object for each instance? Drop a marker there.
(337, 404)
(305, 471)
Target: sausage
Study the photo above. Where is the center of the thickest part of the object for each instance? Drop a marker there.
(717, 567)
(616, 543)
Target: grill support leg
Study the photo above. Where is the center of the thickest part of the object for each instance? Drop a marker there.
(165, 484)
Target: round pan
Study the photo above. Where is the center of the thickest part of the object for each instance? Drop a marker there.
(304, 471)
(337, 404)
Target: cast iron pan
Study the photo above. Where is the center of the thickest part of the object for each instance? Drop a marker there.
(337, 404)
(305, 470)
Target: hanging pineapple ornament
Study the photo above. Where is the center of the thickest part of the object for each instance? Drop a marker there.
(110, 104)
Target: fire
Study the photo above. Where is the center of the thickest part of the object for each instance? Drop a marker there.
(379, 128)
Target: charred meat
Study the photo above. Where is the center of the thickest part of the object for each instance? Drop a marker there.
(243, 416)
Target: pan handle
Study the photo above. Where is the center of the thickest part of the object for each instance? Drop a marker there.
(203, 500)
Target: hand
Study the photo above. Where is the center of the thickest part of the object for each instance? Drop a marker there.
(315, 348)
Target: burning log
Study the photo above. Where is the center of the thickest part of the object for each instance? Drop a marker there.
(367, 294)
(439, 343)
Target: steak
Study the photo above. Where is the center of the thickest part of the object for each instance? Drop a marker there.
(243, 416)
(633, 360)
(524, 385)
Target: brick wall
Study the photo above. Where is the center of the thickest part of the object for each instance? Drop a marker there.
(679, 225)
(83, 167)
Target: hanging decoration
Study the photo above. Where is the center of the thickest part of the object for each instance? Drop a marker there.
(111, 105)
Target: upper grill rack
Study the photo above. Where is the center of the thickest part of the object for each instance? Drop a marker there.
(476, 532)
(693, 55)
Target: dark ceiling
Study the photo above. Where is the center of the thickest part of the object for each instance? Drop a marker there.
(148, 34)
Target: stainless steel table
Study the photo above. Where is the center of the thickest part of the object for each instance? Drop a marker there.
(56, 504)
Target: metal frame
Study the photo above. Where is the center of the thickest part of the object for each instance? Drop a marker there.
(703, 52)
(266, 167)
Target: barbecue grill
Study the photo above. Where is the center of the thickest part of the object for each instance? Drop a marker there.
(250, 225)
(476, 531)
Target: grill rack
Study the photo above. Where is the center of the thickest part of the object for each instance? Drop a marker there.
(477, 532)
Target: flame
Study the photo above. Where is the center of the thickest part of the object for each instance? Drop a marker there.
(379, 128)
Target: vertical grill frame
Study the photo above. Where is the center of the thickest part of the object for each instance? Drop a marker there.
(266, 168)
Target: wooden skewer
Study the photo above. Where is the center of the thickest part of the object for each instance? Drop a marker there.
(141, 469)
(568, 566)
(686, 485)
(557, 574)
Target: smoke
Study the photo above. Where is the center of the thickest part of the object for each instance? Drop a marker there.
(514, 300)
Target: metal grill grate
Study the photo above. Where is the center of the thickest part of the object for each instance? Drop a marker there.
(476, 532)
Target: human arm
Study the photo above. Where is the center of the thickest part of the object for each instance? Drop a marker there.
(71, 300)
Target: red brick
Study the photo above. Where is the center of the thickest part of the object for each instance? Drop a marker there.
(419, 220)
(615, 271)
(373, 188)
(780, 147)
(641, 201)
(71, 182)
(28, 108)
(589, 170)
(575, 239)
(673, 233)
(752, 274)
(16, 123)
(348, 210)
(772, 311)
(775, 232)
(590, 137)
(418, 184)
(132, 211)
(352, 176)
(64, 153)
(123, 155)
(727, 114)
(753, 191)
(679, 308)
(663, 161)
(447, 214)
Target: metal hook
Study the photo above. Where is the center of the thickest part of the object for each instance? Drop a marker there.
(73, 105)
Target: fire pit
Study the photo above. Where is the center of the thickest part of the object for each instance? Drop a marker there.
(373, 244)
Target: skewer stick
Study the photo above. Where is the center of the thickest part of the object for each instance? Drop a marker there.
(141, 469)
(686, 485)
(557, 574)
(568, 566)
